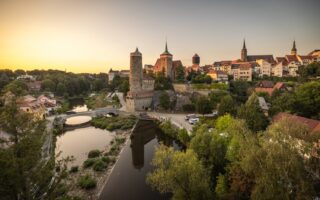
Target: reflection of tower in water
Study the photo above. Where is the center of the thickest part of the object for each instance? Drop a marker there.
(143, 133)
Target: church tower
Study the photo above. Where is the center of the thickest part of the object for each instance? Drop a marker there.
(135, 77)
(294, 49)
(166, 58)
(244, 52)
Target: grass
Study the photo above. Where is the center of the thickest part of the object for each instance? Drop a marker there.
(87, 182)
(114, 123)
(219, 86)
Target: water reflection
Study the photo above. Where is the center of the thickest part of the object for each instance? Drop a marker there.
(128, 178)
(78, 105)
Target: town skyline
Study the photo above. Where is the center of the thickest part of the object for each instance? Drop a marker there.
(186, 62)
(95, 36)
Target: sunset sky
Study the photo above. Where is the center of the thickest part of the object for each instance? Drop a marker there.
(95, 35)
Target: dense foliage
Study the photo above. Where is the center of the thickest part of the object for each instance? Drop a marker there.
(113, 123)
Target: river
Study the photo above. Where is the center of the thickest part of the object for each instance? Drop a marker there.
(128, 178)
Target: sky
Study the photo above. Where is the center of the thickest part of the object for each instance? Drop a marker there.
(96, 35)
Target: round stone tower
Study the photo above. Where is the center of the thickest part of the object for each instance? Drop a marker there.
(135, 77)
(196, 59)
(167, 62)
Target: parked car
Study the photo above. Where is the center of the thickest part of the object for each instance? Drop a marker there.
(193, 120)
(190, 116)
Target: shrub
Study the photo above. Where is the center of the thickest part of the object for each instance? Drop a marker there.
(87, 182)
(94, 153)
(99, 166)
(120, 140)
(89, 162)
(106, 159)
(74, 169)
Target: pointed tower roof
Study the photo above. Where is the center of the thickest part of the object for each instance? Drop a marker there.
(294, 46)
(166, 52)
(244, 44)
(136, 53)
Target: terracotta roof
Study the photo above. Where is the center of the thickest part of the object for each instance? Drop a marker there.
(313, 125)
(305, 57)
(279, 85)
(291, 58)
(314, 51)
(217, 72)
(268, 58)
(223, 62)
(283, 60)
(265, 84)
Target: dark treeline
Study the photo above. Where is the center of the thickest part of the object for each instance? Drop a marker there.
(61, 83)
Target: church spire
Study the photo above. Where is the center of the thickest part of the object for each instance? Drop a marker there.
(294, 49)
(244, 52)
(244, 44)
(166, 51)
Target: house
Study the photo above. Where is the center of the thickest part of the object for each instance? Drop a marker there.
(224, 65)
(268, 87)
(277, 69)
(218, 75)
(312, 125)
(47, 101)
(293, 64)
(114, 73)
(265, 67)
(30, 104)
(243, 71)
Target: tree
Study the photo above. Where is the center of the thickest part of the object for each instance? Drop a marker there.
(239, 90)
(180, 74)
(124, 87)
(226, 105)
(24, 174)
(180, 173)
(19, 72)
(164, 100)
(215, 97)
(61, 89)
(183, 136)
(203, 105)
(252, 114)
(308, 100)
(17, 87)
(278, 165)
(162, 82)
(282, 103)
(48, 85)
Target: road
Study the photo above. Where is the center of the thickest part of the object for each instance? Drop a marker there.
(176, 119)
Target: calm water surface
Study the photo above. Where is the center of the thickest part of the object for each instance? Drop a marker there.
(128, 178)
(80, 141)
(77, 120)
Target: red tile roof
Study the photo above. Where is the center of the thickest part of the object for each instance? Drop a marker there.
(291, 58)
(313, 125)
(265, 84)
(268, 58)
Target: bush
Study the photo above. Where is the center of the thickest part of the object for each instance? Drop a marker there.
(74, 169)
(99, 166)
(188, 108)
(87, 182)
(120, 140)
(106, 159)
(94, 153)
(89, 162)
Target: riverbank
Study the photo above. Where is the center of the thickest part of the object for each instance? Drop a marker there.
(98, 168)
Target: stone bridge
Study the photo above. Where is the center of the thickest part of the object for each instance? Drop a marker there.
(93, 113)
